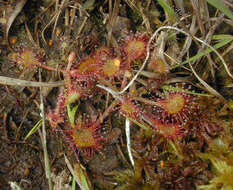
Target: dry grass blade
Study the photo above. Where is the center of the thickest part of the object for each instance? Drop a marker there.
(127, 132)
(18, 82)
(77, 179)
(30, 36)
(180, 5)
(57, 17)
(112, 18)
(209, 50)
(14, 186)
(43, 139)
(208, 87)
(188, 40)
(19, 6)
(230, 85)
(199, 40)
(197, 13)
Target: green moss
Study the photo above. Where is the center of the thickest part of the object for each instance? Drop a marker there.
(223, 171)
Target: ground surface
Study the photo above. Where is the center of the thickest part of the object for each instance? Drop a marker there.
(180, 150)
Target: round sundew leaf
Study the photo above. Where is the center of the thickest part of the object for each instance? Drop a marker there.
(88, 66)
(135, 49)
(158, 66)
(110, 67)
(128, 108)
(177, 107)
(54, 119)
(168, 130)
(27, 58)
(102, 53)
(71, 98)
(83, 138)
(175, 104)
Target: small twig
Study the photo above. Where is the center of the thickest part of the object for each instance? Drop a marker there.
(18, 82)
(109, 90)
(107, 112)
(43, 139)
(146, 101)
(21, 124)
(5, 126)
(81, 27)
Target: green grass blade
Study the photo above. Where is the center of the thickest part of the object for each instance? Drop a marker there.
(71, 114)
(82, 176)
(84, 180)
(176, 150)
(206, 187)
(78, 173)
(218, 4)
(222, 37)
(89, 4)
(171, 88)
(139, 124)
(166, 7)
(34, 129)
(73, 184)
(208, 50)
